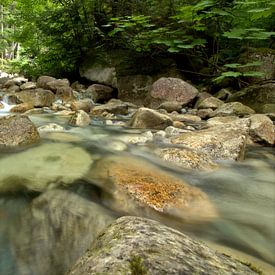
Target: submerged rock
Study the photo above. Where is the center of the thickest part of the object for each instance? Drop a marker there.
(150, 119)
(221, 142)
(137, 187)
(133, 245)
(43, 167)
(17, 130)
(57, 228)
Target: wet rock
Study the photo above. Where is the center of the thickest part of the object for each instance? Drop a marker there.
(36, 97)
(262, 129)
(114, 106)
(84, 104)
(78, 86)
(43, 80)
(48, 166)
(172, 89)
(21, 108)
(256, 97)
(151, 119)
(133, 245)
(170, 106)
(51, 127)
(28, 86)
(80, 119)
(233, 109)
(178, 124)
(186, 158)
(100, 93)
(140, 188)
(1, 106)
(57, 229)
(210, 102)
(16, 131)
(222, 142)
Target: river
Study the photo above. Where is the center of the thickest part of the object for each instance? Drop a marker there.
(243, 192)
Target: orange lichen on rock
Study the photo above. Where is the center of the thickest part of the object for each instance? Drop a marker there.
(149, 186)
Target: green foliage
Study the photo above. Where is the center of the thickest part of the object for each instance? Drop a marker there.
(55, 34)
(136, 266)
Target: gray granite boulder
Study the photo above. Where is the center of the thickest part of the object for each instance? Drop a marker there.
(133, 245)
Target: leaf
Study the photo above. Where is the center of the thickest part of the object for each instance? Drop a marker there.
(254, 74)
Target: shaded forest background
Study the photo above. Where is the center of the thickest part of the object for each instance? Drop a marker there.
(205, 38)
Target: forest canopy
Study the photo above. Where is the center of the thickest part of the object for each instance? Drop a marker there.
(51, 36)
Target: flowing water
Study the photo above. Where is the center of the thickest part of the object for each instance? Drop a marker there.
(243, 193)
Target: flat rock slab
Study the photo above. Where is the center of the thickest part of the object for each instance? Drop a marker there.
(133, 245)
(221, 142)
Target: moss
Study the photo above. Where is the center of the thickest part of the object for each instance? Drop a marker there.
(136, 266)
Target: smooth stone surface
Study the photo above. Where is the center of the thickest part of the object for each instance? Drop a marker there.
(133, 245)
(210, 102)
(114, 106)
(43, 167)
(84, 104)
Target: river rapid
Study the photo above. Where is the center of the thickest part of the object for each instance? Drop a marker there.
(243, 192)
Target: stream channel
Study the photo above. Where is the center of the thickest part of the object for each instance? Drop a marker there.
(243, 192)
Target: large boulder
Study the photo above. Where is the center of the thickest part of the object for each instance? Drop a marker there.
(43, 80)
(133, 245)
(172, 89)
(36, 97)
(137, 187)
(43, 167)
(16, 131)
(57, 229)
(57, 83)
(222, 142)
(262, 129)
(148, 118)
(257, 97)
